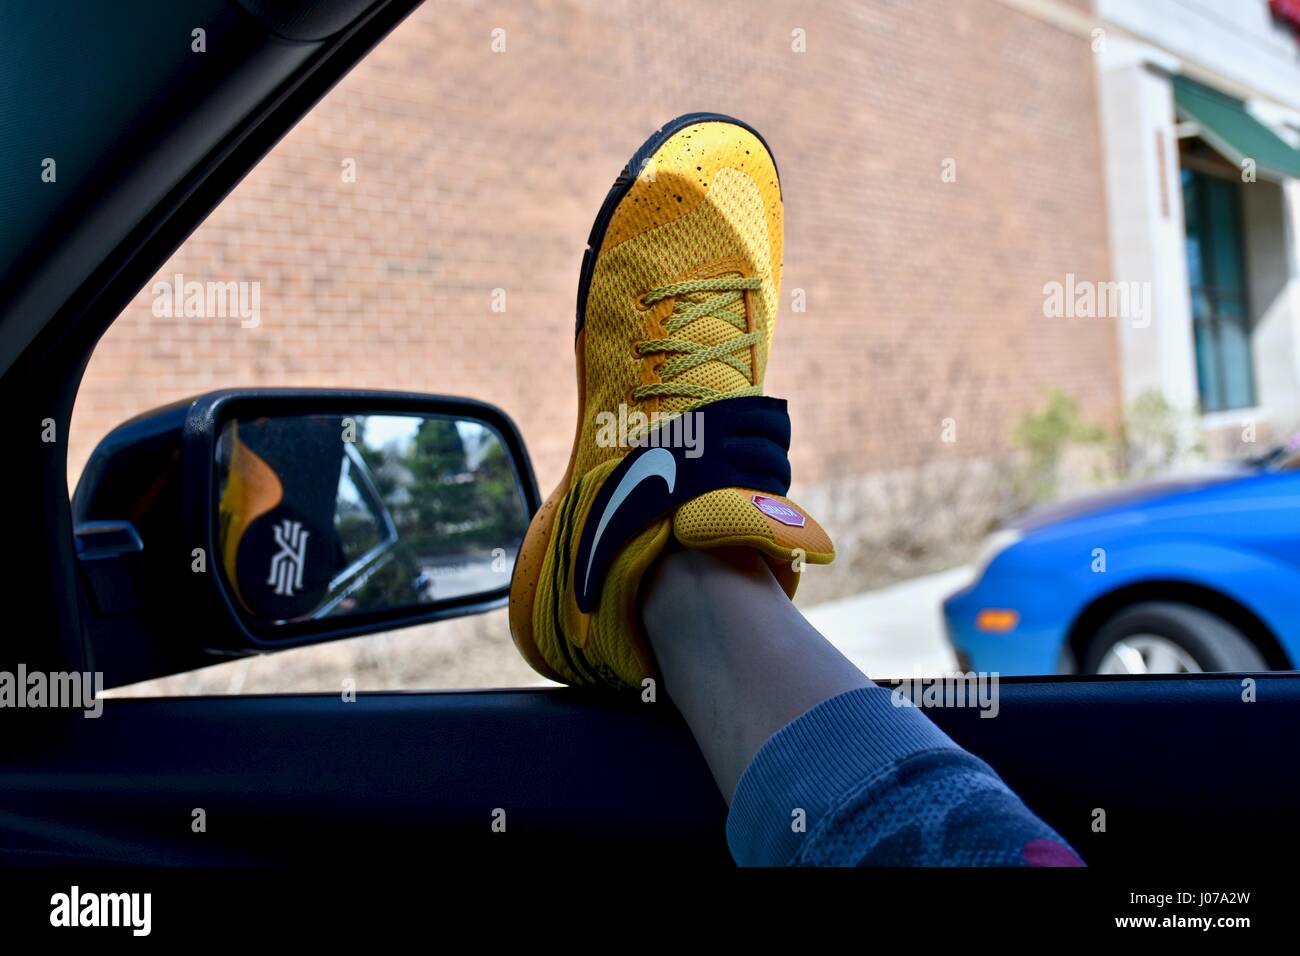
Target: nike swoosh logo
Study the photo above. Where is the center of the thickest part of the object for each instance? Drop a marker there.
(657, 462)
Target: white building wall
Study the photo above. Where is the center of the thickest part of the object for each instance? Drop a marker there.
(1240, 49)
(1146, 231)
(1238, 39)
(1273, 295)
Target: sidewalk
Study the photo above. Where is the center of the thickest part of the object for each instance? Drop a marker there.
(896, 631)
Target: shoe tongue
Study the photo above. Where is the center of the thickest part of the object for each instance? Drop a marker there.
(710, 330)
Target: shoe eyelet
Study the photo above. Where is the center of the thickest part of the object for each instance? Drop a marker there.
(641, 304)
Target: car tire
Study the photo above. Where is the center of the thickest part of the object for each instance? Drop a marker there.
(1184, 637)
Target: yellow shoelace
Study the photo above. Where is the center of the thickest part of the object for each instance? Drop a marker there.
(730, 291)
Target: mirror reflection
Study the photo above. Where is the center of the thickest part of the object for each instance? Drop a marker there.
(329, 515)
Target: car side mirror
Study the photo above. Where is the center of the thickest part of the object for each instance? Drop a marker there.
(302, 516)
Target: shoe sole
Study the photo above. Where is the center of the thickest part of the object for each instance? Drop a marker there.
(528, 563)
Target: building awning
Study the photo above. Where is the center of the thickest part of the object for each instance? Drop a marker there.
(1228, 127)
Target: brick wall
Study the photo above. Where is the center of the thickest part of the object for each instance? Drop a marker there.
(478, 170)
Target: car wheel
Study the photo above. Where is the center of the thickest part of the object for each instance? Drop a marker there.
(1161, 637)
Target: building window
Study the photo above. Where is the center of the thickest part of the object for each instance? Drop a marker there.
(1216, 269)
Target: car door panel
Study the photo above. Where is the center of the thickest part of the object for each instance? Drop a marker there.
(1181, 768)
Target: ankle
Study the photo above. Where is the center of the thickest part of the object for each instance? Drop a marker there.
(687, 587)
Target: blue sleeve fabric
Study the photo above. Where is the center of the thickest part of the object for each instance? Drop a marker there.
(860, 781)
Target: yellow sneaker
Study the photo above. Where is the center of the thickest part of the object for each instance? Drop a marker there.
(677, 302)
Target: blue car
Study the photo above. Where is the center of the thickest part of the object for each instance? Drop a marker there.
(1191, 574)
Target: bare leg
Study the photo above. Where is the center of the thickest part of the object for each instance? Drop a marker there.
(738, 659)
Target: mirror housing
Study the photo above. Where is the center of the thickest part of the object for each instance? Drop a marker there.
(149, 512)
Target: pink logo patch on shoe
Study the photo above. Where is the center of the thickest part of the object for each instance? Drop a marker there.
(778, 510)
